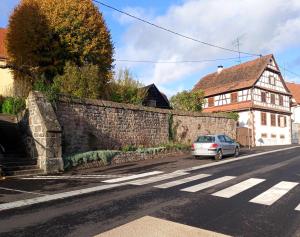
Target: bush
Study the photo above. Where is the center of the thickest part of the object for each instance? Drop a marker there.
(125, 89)
(51, 91)
(83, 158)
(1, 102)
(177, 146)
(233, 115)
(13, 105)
(129, 148)
(188, 100)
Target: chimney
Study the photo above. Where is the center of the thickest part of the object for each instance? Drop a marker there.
(220, 69)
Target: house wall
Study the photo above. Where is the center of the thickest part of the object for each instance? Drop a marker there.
(296, 113)
(269, 130)
(264, 81)
(224, 99)
(6, 81)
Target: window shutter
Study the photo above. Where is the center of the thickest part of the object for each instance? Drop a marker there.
(280, 100)
(273, 120)
(211, 101)
(285, 122)
(263, 96)
(234, 97)
(263, 118)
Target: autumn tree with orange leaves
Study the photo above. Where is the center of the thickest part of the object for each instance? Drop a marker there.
(43, 35)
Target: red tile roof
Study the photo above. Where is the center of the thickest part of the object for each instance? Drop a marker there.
(295, 90)
(230, 107)
(234, 78)
(3, 52)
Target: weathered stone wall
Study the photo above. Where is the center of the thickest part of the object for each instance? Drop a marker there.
(295, 133)
(187, 128)
(95, 124)
(44, 132)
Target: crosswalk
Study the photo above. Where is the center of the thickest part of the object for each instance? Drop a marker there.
(186, 182)
(181, 178)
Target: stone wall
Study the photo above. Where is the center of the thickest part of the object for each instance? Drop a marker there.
(94, 124)
(186, 128)
(295, 133)
(43, 133)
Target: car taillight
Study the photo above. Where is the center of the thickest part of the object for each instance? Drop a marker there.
(214, 145)
(193, 147)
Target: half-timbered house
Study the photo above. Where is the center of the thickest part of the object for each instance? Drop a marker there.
(257, 92)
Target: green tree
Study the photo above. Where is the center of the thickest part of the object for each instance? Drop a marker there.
(125, 89)
(45, 34)
(82, 82)
(188, 100)
(233, 115)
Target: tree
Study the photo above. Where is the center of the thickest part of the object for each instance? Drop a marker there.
(45, 34)
(31, 45)
(125, 89)
(233, 115)
(188, 100)
(82, 82)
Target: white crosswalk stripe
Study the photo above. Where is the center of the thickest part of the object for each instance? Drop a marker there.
(157, 178)
(274, 193)
(52, 197)
(207, 184)
(182, 181)
(132, 177)
(297, 208)
(62, 177)
(238, 188)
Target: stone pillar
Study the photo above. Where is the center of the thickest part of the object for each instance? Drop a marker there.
(46, 133)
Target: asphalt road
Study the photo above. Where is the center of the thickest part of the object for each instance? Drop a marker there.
(236, 198)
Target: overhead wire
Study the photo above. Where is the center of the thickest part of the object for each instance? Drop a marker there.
(174, 32)
(179, 62)
(183, 36)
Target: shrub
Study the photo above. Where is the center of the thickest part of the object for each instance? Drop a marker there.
(51, 91)
(83, 158)
(125, 89)
(1, 102)
(177, 146)
(233, 115)
(13, 105)
(188, 100)
(129, 148)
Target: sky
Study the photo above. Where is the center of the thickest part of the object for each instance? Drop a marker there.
(262, 27)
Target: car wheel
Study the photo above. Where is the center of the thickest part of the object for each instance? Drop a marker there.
(236, 152)
(219, 155)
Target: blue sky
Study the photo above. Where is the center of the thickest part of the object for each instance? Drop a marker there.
(261, 27)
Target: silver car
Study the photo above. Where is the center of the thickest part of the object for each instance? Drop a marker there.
(216, 146)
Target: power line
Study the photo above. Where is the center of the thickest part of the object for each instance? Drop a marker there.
(175, 62)
(174, 32)
(291, 72)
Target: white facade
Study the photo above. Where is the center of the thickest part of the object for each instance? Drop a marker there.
(296, 114)
(265, 135)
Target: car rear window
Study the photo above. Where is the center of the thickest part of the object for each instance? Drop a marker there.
(206, 139)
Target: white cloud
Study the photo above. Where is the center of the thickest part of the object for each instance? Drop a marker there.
(266, 27)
